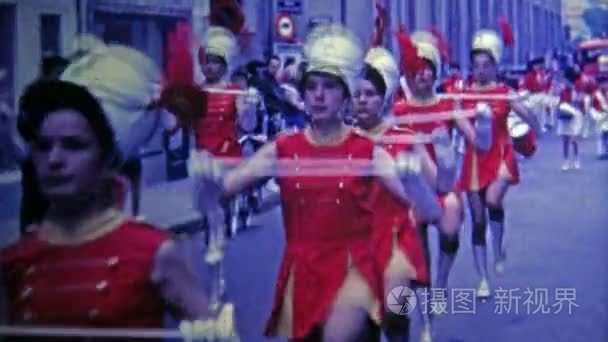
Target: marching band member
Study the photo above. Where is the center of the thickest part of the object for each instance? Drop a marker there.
(537, 81)
(599, 112)
(329, 285)
(453, 80)
(569, 125)
(86, 264)
(486, 176)
(421, 80)
(399, 252)
(421, 63)
(585, 87)
(216, 129)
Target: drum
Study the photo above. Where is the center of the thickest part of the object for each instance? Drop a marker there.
(524, 138)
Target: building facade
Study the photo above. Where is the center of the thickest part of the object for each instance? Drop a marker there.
(29, 31)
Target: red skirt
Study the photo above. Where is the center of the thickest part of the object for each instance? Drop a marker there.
(480, 169)
(318, 272)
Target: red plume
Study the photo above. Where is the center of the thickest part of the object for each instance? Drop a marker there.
(442, 44)
(410, 61)
(180, 95)
(379, 23)
(180, 64)
(507, 33)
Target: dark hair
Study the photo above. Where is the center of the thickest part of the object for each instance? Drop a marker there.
(302, 84)
(476, 52)
(289, 61)
(571, 74)
(53, 65)
(375, 77)
(222, 59)
(432, 66)
(45, 96)
(240, 72)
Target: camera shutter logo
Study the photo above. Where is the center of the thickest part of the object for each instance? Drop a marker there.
(401, 300)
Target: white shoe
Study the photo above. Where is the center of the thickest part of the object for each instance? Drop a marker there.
(140, 218)
(566, 166)
(499, 267)
(426, 335)
(577, 164)
(483, 290)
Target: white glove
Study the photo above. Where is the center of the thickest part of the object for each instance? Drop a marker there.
(444, 150)
(220, 329)
(409, 166)
(252, 97)
(483, 126)
(198, 330)
(418, 190)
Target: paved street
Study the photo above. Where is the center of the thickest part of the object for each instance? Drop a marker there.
(556, 238)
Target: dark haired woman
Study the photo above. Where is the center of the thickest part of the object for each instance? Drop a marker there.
(329, 286)
(399, 252)
(486, 176)
(86, 264)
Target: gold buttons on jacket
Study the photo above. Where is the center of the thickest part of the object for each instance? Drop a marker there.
(30, 270)
(113, 261)
(102, 285)
(26, 293)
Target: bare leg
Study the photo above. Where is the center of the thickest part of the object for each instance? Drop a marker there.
(478, 211)
(449, 226)
(495, 196)
(345, 324)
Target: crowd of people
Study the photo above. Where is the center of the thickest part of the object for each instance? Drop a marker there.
(368, 151)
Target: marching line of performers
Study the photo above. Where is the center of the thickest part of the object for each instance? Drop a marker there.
(350, 236)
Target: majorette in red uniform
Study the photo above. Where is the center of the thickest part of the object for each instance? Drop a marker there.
(393, 222)
(215, 125)
(104, 283)
(329, 284)
(585, 86)
(398, 249)
(537, 81)
(486, 176)
(216, 131)
(599, 111)
(90, 266)
(421, 64)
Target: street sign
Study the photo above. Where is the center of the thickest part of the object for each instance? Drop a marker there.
(285, 27)
(290, 6)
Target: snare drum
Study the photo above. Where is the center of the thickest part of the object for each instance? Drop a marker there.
(524, 138)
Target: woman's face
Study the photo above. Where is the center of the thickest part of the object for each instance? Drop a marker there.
(213, 68)
(367, 103)
(484, 68)
(67, 157)
(423, 80)
(324, 97)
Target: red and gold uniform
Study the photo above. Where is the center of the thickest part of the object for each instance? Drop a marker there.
(105, 282)
(398, 247)
(536, 81)
(482, 168)
(329, 256)
(405, 108)
(216, 130)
